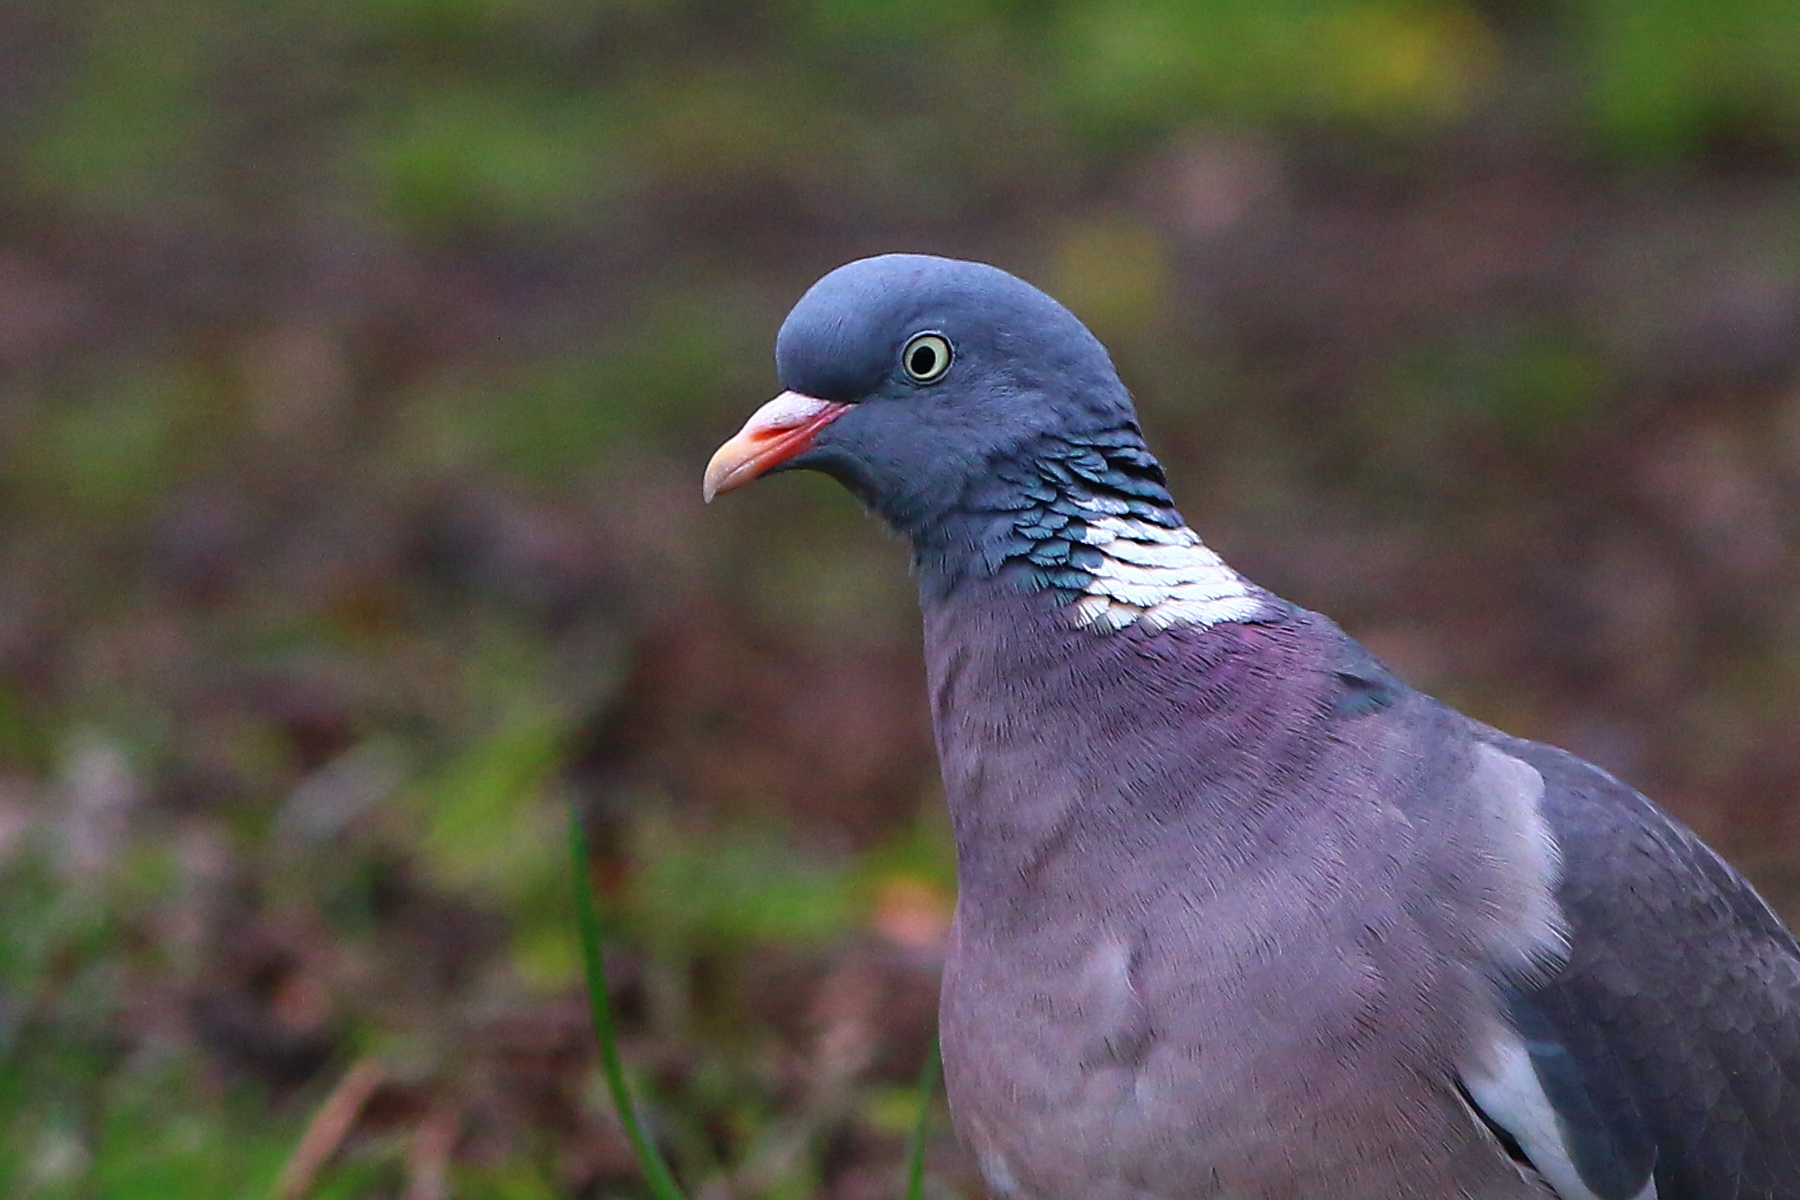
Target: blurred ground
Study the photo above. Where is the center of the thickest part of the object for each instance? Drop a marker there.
(357, 368)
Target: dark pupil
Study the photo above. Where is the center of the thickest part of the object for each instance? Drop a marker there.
(924, 358)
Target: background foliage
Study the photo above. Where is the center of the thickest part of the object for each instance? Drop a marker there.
(357, 365)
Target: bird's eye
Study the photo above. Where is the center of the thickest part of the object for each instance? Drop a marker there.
(926, 357)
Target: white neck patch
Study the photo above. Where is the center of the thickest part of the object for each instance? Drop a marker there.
(1154, 577)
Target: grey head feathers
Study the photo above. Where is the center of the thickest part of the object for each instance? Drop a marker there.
(1022, 368)
(1022, 460)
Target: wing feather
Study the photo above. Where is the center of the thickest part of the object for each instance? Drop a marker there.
(1674, 1028)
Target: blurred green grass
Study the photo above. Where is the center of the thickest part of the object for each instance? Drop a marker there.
(358, 363)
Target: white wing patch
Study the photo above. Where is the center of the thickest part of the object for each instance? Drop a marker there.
(1155, 577)
(1519, 919)
(1508, 1091)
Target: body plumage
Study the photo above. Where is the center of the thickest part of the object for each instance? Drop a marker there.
(1240, 914)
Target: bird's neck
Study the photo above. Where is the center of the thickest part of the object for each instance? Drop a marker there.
(1056, 740)
(1075, 626)
(1087, 524)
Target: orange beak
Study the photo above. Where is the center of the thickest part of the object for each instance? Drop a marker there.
(774, 433)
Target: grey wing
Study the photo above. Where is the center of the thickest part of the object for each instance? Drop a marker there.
(1669, 1045)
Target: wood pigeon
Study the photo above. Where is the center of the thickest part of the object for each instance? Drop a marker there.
(1240, 914)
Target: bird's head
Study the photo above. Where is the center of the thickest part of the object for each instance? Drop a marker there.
(980, 418)
(910, 378)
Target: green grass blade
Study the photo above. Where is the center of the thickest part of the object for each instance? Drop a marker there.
(656, 1172)
(915, 1143)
